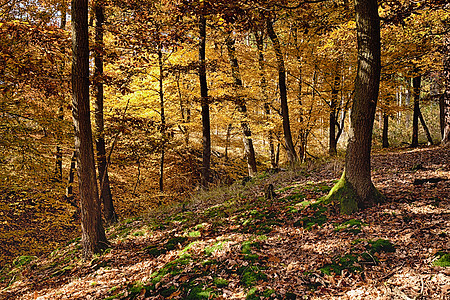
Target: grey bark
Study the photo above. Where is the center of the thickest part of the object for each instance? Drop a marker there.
(242, 108)
(292, 155)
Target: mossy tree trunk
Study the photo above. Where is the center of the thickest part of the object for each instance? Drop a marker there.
(355, 190)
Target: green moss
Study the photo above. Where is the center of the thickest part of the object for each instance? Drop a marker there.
(220, 282)
(251, 274)
(346, 262)
(194, 234)
(380, 245)
(173, 267)
(199, 292)
(343, 193)
(216, 246)
(23, 260)
(443, 260)
(353, 226)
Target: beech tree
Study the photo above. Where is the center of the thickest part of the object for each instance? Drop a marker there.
(355, 188)
(446, 96)
(102, 164)
(93, 234)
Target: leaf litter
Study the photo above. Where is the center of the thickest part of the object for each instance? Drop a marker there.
(285, 248)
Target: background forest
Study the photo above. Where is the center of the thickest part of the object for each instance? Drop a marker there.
(159, 69)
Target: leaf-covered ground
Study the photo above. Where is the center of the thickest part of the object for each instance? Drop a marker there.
(234, 244)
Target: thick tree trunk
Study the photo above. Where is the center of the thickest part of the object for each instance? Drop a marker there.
(242, 108)
(93, 233)
(292, 155)
(206, 127)
(385, 137)
(446, 96)
(263, 87)
(416, 91)
(355, 189)
(102, 164)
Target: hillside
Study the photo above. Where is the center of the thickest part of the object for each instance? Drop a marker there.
(232, 243)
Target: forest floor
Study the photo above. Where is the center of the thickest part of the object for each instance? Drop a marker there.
(231, 243)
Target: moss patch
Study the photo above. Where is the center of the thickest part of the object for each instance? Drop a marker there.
(443, 259)
(353, 226)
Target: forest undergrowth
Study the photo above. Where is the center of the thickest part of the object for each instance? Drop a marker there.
(233, 243)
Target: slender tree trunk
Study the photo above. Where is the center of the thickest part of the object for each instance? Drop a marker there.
(242, 108)
(102, 165)
(59, 155)
(163, 120)
(185, 113)
(93, 233)
(425, 128)
(385, 137)
(71, 179)
(442, 114)
(355, 189)
(415, 133)
(292, 155)
(263, 87)
(227, 140)
(206, 127)
(446, 96)
(334, 112)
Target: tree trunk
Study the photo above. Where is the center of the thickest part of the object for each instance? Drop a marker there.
(102, 164)
(355, 189)
(93, 233)
(185, 113)
(227, 140)
(332, 147)
(71, 179)
(425, 128)
(206, 127)
(163, 120)
(263, 87)
(242, 108)
(292, 155)
(446, 96)
(59, 155)
(385, 137)
(415, 132)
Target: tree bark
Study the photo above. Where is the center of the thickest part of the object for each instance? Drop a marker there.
(242, 108)
(334, 111)
(93, 233)
(263, 87)
(446, 96)
(206, 127)
(102, 164)
(292, 155)
(416, 91)
(59, 155)
(385, 137)
(163, 120)
(425, 128)
(355, 189)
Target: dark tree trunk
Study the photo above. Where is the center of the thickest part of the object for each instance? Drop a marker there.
(292, 155)
(163, 120)
(59, 155)
(303, 132)
(265, 98)
(415, 132)
(185, 113)
(206, 127)
(385, 137)
(446, 96)
(227, 140)
(425, 128)
(93, 233)
(332, 147)
(242, 108)
(102, 164)
(355, 189)
(442, 114)
(71, 179)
